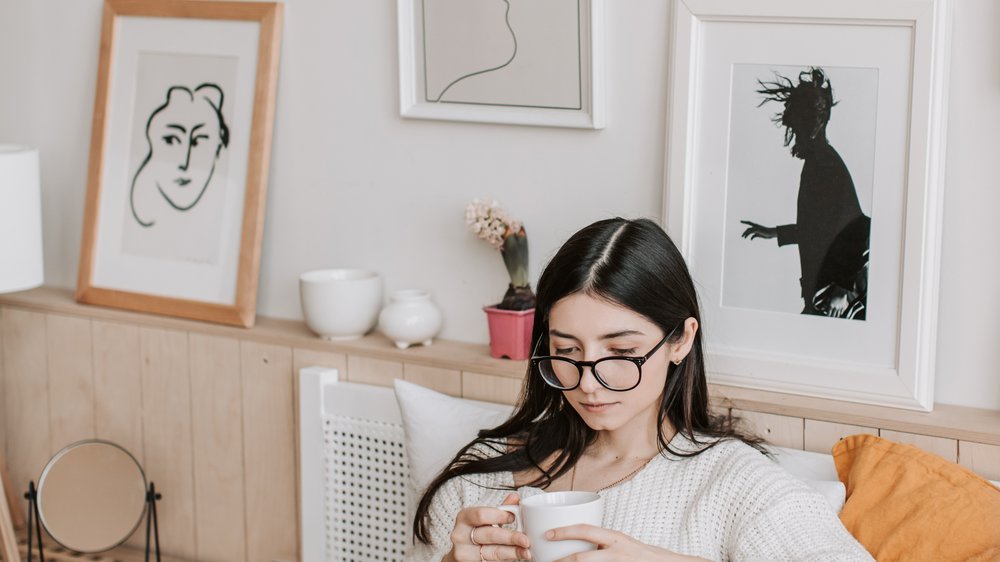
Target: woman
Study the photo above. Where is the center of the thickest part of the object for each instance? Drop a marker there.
(615, 401)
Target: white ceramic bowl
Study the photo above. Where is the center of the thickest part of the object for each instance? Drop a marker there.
(341, 304)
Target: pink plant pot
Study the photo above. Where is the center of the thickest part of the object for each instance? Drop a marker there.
(510, 332)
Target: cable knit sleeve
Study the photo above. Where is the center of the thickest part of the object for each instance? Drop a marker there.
(443, 510)
(452, 497)
(800, 527)
(785, 520)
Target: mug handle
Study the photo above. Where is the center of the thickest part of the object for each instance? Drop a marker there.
(516, 510)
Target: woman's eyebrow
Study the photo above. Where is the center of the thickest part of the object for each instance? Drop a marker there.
(611, 336)
(622, 333)
(178, 127)
(559, 334)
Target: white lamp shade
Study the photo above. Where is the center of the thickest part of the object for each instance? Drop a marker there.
(20, 219)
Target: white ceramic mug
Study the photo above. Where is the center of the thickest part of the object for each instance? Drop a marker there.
(538, 514)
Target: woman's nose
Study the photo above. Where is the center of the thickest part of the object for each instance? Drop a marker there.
(588, 381)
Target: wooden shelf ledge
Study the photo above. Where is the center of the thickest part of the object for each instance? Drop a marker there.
(948, 421)
(953, 422)
(444, 354)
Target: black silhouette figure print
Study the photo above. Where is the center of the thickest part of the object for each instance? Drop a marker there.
(830, 229)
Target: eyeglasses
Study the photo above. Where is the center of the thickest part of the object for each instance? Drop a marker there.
(617, 373)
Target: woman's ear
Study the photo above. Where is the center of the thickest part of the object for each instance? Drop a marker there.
(681, 350)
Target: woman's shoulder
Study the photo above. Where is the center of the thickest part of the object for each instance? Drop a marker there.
(481, 450)
(714, 449)
(746, 462)
(753, 482)
(730, 459)
(478, 488)
(504, 445)
(489, 448)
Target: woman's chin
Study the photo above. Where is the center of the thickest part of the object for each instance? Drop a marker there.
(599, 421)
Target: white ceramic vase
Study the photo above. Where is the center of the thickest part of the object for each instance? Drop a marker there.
(410, 318)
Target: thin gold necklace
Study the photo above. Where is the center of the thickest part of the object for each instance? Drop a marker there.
(572, 478)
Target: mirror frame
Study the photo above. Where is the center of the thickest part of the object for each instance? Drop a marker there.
(61, 453)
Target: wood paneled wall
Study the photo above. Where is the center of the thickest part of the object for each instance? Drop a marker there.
(210, 412)
(212, 419)
(820, 436)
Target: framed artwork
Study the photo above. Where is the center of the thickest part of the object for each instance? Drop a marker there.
(179, 158)
(503, 61)
(8, 537)
(805, 159)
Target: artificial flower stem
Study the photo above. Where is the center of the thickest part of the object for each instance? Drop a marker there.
(515, 257)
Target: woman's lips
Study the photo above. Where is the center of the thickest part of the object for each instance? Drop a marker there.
(597, 407)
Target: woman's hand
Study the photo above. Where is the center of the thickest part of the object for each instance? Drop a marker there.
(612, 546)
(491, 542)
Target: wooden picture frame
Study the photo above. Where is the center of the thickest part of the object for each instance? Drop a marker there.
(8, 537)
(733, 157)
(179, 157)
(536, 63)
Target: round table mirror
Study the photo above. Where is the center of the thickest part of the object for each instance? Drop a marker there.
(91, 496)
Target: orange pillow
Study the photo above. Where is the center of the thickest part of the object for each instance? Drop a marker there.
(906, 504)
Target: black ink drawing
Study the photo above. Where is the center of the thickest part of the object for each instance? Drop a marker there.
(185, 135)
(831, 231)
(513, 54)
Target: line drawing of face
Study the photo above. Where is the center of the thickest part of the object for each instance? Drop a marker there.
(185, 136)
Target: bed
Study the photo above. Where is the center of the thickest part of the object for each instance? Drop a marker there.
(357, 483)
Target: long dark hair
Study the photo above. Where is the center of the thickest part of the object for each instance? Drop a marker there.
(808, 103)
(632, 263)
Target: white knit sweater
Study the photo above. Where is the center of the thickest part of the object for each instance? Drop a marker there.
(727, 503)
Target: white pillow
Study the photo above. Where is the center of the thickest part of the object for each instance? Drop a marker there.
(816, 470)
(438, 425)
(806, 465)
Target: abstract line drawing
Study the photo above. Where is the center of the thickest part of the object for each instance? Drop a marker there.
(504, 53)
(513, 54)
(185, 137)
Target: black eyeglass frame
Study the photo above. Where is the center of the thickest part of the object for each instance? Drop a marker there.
(639, 361)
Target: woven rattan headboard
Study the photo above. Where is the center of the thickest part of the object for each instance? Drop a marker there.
(353, 471)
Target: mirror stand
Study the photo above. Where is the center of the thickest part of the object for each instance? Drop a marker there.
(151, 522)
(35, 521)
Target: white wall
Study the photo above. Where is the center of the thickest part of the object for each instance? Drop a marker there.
(353, 184)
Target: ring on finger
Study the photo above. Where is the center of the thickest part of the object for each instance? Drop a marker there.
(472, 536)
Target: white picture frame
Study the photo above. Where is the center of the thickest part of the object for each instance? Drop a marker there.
(509, 61)
(179, 158)
(897, 52)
